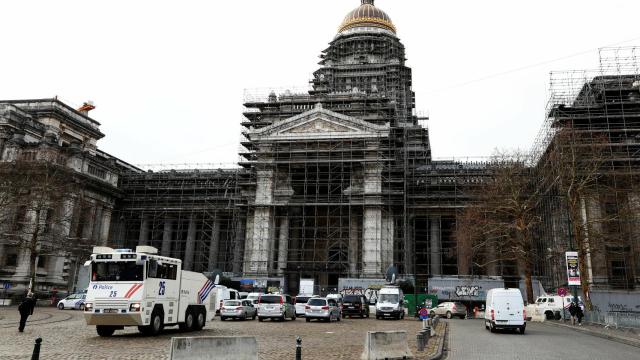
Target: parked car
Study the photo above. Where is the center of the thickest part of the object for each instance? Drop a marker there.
(220, 293)
(238, 309)
(355, 305)
(390, 303)
(276, 306)
(75, 301)
(505, 310)
(339, 299)
(450, 309)
(301, 301)
(254, 297)
(322, 309)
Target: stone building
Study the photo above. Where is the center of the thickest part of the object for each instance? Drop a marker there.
(44, 130)
(335, 183)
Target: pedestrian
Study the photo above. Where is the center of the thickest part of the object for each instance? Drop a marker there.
(26, 309)
(579, 315)
(573, 311)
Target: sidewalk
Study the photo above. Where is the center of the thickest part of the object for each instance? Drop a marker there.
(629, 337)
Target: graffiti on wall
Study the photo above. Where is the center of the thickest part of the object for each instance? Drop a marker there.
(467, 291)
(371, 292)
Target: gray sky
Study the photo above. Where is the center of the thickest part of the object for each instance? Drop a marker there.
(167, 77)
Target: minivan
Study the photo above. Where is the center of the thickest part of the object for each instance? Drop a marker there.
(390, 303)
(276, 307)
(505, 310)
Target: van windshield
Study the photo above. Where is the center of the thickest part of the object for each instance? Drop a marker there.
(388, 298)
(273, 299)
(117, 271)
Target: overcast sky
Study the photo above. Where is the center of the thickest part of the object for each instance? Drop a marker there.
(168, 77)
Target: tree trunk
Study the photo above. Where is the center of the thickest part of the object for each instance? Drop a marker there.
(528, 282)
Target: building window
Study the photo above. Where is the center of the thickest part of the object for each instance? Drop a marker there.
(12, 260)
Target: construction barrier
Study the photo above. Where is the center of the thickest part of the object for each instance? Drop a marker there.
(214, 347)
(386, 345)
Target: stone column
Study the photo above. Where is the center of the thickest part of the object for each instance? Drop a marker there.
(191, 244)
(87, 227)
(167, 235)
(238, 245)
(258, 254)
(372, 222)
(372, 241)
(409, 245)
(248, 245)
(634, 218)
(97, 225)
(144, 231)
(106, 225)
(435, 244)
(22, 266)
(354, 240)
(259, 260)
(283, 245)
(214, 245)
(387, 242)
(55, 269)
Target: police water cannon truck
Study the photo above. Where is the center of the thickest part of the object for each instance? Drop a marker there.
(146, 290)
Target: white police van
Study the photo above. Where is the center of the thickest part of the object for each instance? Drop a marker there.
(145, 290)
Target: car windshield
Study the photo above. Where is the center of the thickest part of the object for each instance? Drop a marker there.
(270, 299)
(352, 299)
(317, 302)
(302, 299)
(389, 298)
(117, 271)
(232, 303)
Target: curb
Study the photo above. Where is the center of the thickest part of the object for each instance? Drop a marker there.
(439, 354)
(619, 339)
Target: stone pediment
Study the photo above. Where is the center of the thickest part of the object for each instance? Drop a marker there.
(319, 123)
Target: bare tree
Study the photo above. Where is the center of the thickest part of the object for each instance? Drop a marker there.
(577, 160)
(498, 227)
(39, 195)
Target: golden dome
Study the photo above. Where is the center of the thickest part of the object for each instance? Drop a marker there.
(367, 15)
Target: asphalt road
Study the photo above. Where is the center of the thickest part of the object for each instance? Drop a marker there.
(468, 339)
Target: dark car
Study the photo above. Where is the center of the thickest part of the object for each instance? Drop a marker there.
(355, 305)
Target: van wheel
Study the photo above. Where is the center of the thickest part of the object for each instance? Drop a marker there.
(105, 331)
(187, 325)
(449, 315)
(201, 320)
(157, 322)
(492, 328)
(61, 306)
(549, 315)
(522, 330)
(260, 319)
(308, 319)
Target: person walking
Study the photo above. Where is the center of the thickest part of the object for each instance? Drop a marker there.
(26, 309)
(573, 311)
(579, 314)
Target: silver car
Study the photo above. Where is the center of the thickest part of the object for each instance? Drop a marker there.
(450, 309)
(322, 309)
(75, 301)
(238, 309)
(276, 307)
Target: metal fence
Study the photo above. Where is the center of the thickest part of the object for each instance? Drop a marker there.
(614, 319)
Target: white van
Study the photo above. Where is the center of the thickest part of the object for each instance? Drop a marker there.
(221, 293)
(551, 306)
(390, 303)
(505, 310)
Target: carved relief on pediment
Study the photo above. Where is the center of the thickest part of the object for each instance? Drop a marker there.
(317, 126)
